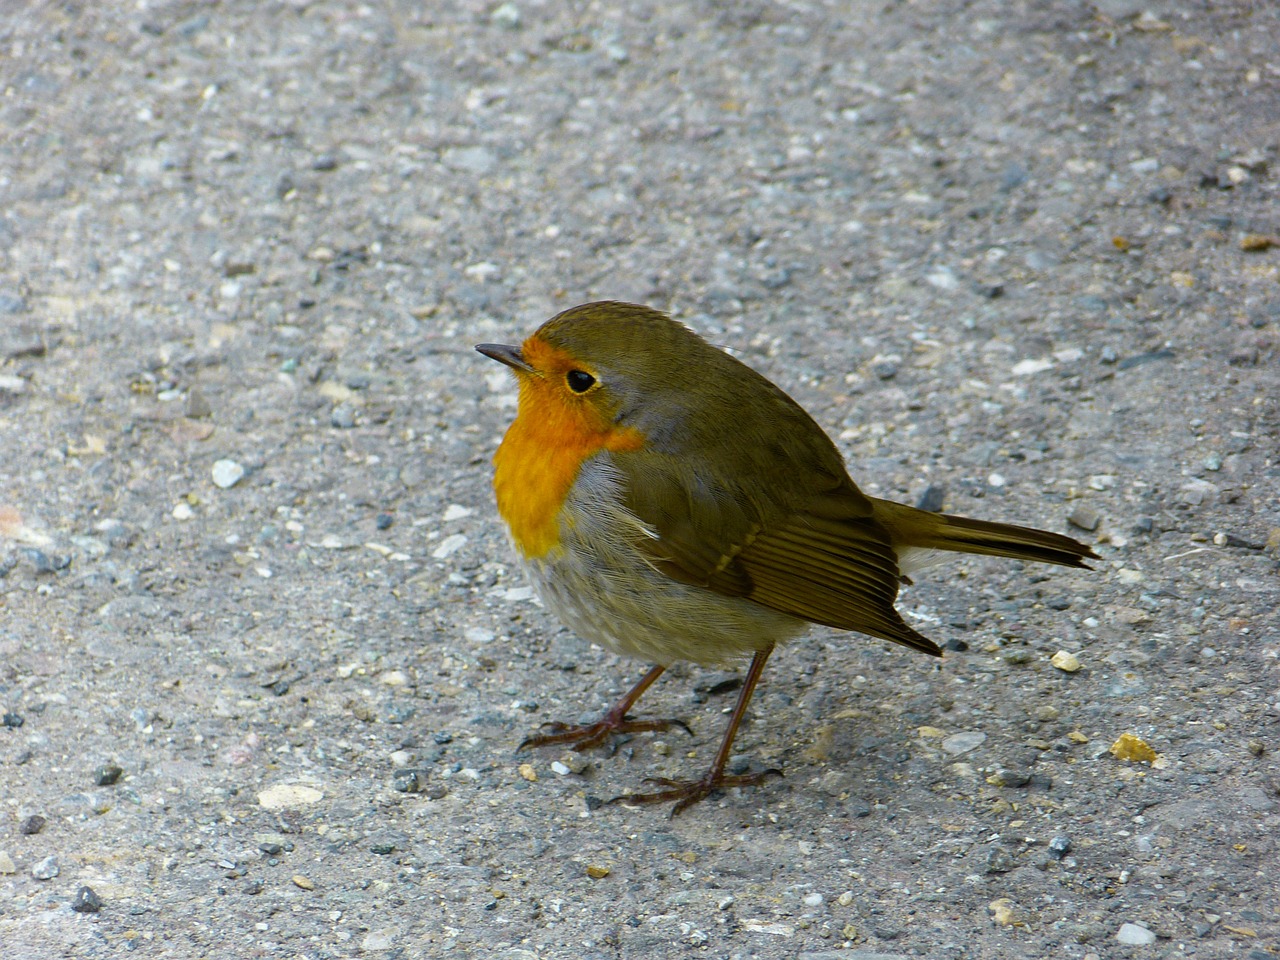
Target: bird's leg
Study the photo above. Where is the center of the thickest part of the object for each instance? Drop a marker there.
(615, 721)
(688, 792)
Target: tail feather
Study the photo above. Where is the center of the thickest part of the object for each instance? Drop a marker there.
(915, 530)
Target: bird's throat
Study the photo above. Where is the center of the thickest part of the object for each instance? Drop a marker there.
(540, 458)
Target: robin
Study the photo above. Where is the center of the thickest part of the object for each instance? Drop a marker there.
(670, 503)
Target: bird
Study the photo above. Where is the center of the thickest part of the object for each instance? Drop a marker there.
(669, 503)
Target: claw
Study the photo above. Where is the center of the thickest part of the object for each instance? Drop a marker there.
(686, 793)
(590, 735)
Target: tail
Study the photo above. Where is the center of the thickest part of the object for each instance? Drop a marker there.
(915, 532)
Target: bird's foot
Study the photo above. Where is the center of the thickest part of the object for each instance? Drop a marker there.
(588, 735)
(686, 793)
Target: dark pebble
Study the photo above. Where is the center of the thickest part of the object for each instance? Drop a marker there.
(934, 498)
(1058, 603)
(271, 848)
(398, 713)
(254, 887)
(86, 901)
(32, 825)
(1059, 847)
(1160, 194)
(13, 720)
(989, 290)
(886, 370)
(442, 737)
(107, 774)
(1143, 525)
(1000, 860)
(716, 686)
(279, 688)
(437, 791)
(383, 521)
(45, 562)
(1012, 778)
(383, 849)
(955, 645)
(325, 162)
(857, 807)
(593, 803)
(7, 563)
(406, 781)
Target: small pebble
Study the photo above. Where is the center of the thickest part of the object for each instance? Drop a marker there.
(31, 825)
(1133, 749)
(507, 16)
(302, 882)
(1133, 935)
(86, 901)
(343, 416)
(45, 869)
(406, 781)
(959, 743)
(107, 774)
(1059, 847)
(1085, 517)
(1005, 913)
(13, 720)
(1009, 778)
(1066, 662)
(528, 773)
(597, 873)
(933, 498)
(226, 474)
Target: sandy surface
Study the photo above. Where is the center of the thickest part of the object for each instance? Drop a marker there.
(1019, 251)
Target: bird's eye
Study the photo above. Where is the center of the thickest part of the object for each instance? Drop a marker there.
(579, 381)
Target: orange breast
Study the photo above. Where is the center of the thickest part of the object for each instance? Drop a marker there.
(539, 459)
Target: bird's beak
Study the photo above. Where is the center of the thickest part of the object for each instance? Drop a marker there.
(505, 353)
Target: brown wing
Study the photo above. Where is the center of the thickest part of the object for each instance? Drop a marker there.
(820, 555)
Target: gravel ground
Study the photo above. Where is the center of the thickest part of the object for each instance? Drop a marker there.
(265, 657)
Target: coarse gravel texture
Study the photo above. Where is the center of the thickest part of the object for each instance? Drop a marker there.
(265, 657)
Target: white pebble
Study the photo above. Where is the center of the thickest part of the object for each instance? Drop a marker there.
(227, 473)
(478, 635)
(284, 796)
(1133, 935)
(456, 511)
(183, 511)
(449, 546)
(1024, 368)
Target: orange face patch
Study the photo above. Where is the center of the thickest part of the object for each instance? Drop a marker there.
(554, 432)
